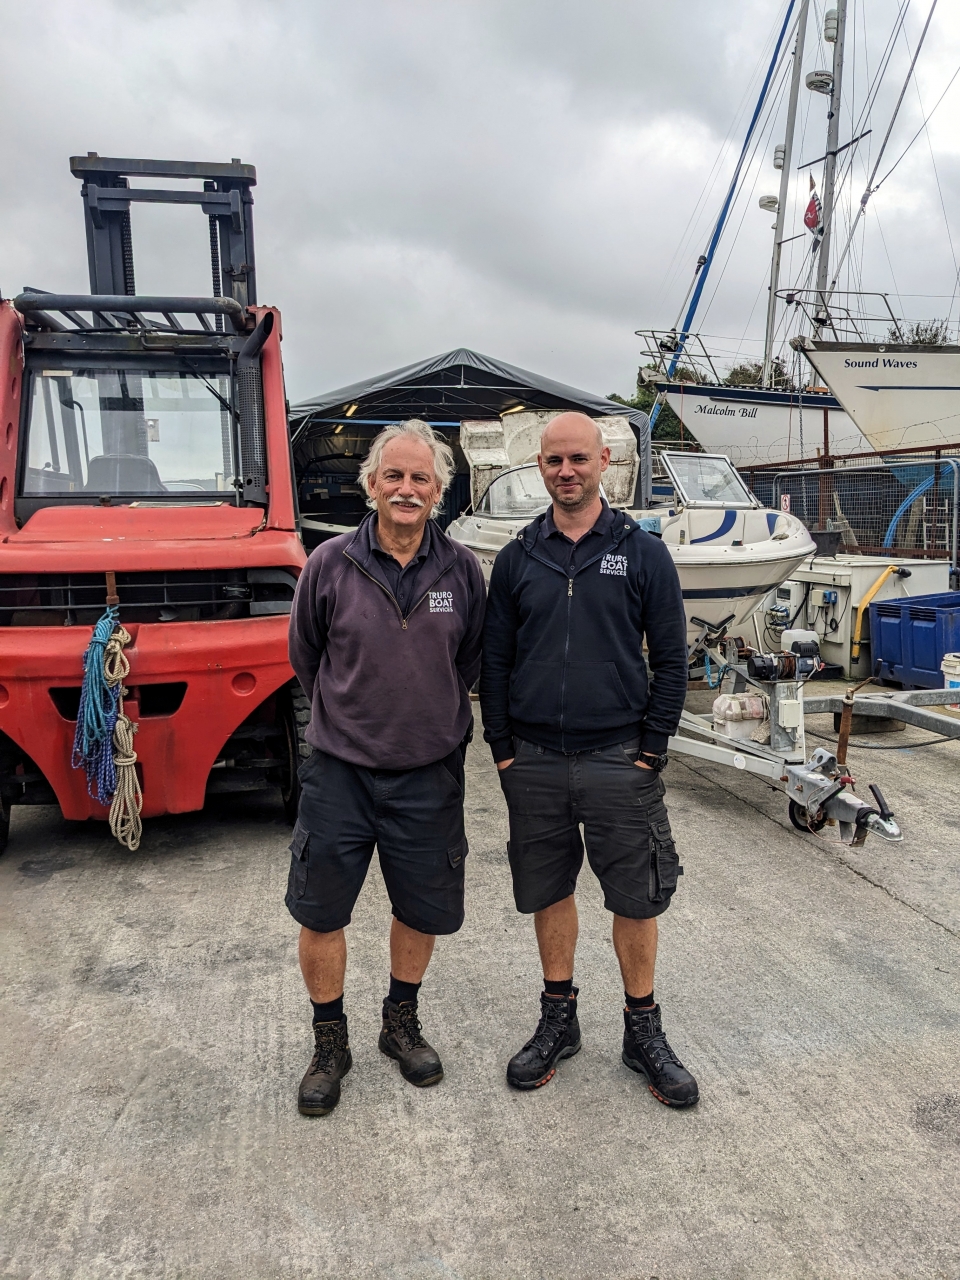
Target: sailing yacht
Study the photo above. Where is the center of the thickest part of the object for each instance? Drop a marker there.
(753, 425)
(899, 395)
(862, 396)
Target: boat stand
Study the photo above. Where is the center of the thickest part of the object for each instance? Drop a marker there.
(819, 788)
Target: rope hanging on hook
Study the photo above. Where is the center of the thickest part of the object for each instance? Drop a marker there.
(97, 714)
(103, 743)
(127, 802)
(125, 822)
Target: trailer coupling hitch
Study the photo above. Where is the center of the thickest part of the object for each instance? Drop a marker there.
(818, 795)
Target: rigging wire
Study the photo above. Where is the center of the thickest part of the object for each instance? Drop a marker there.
(843, 191)
(733, 131)
(868, 192)
(731, 192)
(883, 241)
(923, 126)
(762, 137)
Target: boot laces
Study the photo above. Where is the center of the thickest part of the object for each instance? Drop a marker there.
(659, 1052)
(407, 1027)
(327, 1037)
(655, 1045)
(550, 1028)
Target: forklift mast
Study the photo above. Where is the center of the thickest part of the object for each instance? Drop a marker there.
(226, 199)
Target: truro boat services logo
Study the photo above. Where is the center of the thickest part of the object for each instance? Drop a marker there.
(617, 565)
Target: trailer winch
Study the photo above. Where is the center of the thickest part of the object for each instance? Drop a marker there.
(818, 787)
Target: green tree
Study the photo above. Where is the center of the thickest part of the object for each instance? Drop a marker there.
(667, 425)
(749, 373)
(920, 333)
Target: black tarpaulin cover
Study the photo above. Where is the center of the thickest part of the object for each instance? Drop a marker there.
(444, 390)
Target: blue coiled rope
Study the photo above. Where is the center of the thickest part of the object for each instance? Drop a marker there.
(97, 716)
(714, 681)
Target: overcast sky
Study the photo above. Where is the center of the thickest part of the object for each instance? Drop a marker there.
(514, 177)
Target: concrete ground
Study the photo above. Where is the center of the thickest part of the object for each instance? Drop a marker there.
(154, 1030)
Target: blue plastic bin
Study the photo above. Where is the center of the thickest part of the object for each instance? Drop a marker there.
(909, 636)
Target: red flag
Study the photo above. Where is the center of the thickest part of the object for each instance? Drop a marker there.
(813, 218)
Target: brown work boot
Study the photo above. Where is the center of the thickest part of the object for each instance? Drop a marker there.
(402, 1040)
(320, 1087)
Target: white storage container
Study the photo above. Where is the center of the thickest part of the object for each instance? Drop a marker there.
(737, 715)
(950, 666)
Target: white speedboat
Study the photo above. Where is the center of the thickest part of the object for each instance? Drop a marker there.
(730, 552)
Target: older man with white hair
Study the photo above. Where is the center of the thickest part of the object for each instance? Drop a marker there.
(385, 638)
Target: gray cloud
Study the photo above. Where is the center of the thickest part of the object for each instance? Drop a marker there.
(514, 177)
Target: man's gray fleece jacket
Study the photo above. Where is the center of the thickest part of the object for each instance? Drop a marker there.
(388, 691)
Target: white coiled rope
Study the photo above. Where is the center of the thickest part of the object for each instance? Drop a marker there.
(127, 802)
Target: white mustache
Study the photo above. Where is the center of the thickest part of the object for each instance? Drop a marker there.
(407, 502)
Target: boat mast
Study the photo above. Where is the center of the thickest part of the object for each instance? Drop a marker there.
(767, 378)
(705, 261)
(870, 188)
(830, 168)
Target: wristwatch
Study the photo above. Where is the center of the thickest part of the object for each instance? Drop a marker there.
(656, 763)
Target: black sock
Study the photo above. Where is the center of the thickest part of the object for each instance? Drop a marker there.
(332, 1011)
(402, 992)
(639, 1002)
(562, 988)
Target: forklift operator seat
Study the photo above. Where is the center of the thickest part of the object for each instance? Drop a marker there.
(123, 473)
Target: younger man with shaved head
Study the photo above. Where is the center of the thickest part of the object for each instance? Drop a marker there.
(578, 733)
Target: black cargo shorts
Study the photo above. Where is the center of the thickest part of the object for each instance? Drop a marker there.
(629, 843)
(414, 817)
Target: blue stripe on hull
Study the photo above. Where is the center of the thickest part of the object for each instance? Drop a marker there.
(742, 395)
(726, 524)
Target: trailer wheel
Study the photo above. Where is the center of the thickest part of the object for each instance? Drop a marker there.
(801, 819)
(296, 717)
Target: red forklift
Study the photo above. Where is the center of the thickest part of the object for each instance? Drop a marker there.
(144, 441)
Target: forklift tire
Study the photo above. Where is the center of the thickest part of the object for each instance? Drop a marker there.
(295, 720)
(4, 824)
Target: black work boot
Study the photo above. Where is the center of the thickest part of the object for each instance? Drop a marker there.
(557, 1036)
(645, 1049)
(401, 1039)
(320, 1087)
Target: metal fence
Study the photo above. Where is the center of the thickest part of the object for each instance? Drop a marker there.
(901, 506)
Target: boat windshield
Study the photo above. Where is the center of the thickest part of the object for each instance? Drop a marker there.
(706, 479)
(516, 493)
(137, 432)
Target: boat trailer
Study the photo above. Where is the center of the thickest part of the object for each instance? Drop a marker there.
(819, 788)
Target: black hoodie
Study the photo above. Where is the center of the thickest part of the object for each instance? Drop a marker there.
(563, 663)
